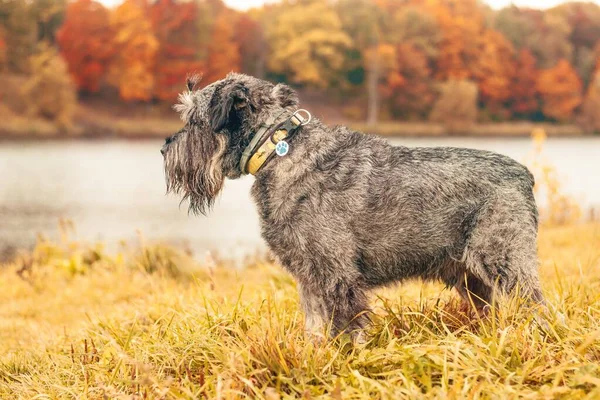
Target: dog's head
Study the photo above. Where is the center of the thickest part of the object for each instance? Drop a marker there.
(220, 121)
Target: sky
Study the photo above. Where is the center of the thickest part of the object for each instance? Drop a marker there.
(246, 4)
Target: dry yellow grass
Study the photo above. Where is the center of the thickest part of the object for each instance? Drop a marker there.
(152, 323)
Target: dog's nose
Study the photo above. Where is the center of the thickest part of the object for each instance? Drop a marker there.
(167, 141)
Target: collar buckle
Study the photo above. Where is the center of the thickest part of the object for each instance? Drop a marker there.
(265, 140)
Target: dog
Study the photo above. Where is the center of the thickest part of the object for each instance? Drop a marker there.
(345, 212)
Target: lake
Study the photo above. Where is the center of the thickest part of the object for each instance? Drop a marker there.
(112, 188)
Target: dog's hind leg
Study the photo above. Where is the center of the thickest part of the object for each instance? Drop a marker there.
(501, 251)
(475, 293)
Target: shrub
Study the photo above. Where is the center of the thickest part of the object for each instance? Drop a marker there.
(560, 208)
(49, 92)
(456, 107)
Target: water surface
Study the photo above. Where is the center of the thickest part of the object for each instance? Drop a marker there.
(112, 188)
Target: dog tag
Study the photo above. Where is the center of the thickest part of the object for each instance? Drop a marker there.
(282, 148)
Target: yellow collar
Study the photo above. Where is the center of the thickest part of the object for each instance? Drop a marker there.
(257, 154)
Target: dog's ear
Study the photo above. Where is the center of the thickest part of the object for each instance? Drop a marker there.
(284, 95)
(228, 102)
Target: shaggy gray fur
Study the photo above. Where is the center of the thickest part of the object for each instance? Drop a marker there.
(346, 212)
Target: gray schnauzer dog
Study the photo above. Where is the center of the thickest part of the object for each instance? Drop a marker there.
(346, 212)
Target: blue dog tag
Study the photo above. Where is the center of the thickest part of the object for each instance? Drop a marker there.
(282, 148)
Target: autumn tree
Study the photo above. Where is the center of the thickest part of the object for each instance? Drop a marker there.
(584, 27)
(517, 25)
(418, 28)
(174, 26)
(371, 53)
(49, 16)
(456, 107)
(307, 43)
(494, 71)
(461, 22)
(136, 49)
(524, 94)
(206, 15)
(252, 45)
(223, 51)
(49, 90)
(590, 109)
(409, 87)
(2, 50)
(545, 33)
(86, 43)
(19, 33)
(560, 89)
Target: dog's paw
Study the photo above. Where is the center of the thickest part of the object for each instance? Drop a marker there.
(317, 338)
(359, 337)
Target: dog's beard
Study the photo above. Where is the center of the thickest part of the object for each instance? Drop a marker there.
(193, 169)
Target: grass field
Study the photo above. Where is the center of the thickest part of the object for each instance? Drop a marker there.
(153, 323)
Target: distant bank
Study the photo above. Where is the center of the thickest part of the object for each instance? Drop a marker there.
(23, 128)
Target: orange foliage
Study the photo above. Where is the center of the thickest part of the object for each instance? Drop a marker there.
(409, 85)
(174, 26)
(524, 91)
(250, 37)
(461, 23)
(494, 69)
(2, 50)
(223, 50)
(590, 110)
(560, 89)
(136, 46)
(85, 40)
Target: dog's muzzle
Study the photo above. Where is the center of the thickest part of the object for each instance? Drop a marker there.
(168, 140)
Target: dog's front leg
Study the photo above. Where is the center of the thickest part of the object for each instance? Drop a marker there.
(314, 313)
(340, 306)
